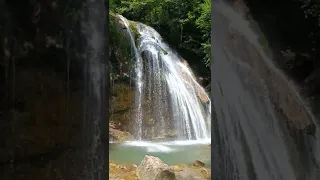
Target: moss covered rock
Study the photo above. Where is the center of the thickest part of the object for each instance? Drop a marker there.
(134, 30)
(152, 168)
(118, 135)
(120, 172)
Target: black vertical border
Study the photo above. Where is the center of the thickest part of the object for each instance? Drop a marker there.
(105, 135)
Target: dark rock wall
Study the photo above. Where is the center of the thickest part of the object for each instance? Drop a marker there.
(41, 89)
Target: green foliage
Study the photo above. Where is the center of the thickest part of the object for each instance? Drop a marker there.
(133, 28)
(204, 23)
(184, 24)
(164, 52)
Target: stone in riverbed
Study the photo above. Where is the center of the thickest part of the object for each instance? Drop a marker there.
(152, 168)
(119, 172)
(176, 168)
(193, 173)
(198, 163)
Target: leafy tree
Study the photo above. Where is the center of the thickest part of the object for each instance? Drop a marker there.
(184, 24)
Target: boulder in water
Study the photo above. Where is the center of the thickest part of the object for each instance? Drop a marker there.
(198, 163)
(152, 168)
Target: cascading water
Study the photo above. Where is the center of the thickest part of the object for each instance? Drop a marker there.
(168, 96)
(249, 140)
(139, 83)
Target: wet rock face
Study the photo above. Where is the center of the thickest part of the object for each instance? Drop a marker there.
(121, 106)
(121, 82)
(43, 122)
(238, 46)
(117, 135)
(294, 49)
(201, 94)
(47, 114)
(41, 90)
(281, 93)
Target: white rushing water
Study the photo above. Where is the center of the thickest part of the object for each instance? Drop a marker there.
(166, 146)
(168, 88)
(248, 134)
(139, 83)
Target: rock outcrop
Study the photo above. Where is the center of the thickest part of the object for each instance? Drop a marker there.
(191, 79)
(122, 172)
(117, 135)
(281, 92)
(152, 168)
(199, 90)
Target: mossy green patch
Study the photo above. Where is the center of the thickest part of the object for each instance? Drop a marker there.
(164, 52)
(134, 29)
(119, 40)
(120, 135)
(121, 56)
(263, 40)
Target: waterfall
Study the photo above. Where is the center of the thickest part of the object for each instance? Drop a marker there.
(168, 97)
(95, 116)
(250, 139)
(139, 83)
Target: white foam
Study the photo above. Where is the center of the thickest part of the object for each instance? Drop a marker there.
(188, 142)
(166, 146)
(151, 146)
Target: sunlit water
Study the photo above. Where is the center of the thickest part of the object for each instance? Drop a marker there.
(175, 101)
(171, 152)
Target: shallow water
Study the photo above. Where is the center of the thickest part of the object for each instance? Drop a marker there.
(170, 152)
